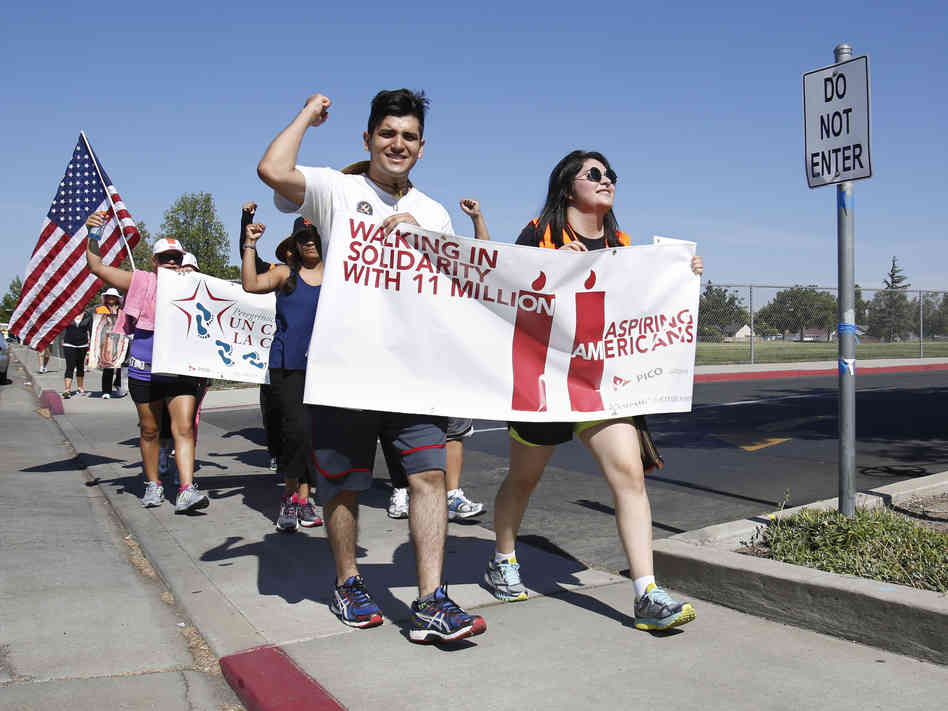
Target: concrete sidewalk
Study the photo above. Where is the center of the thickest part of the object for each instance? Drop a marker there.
(247, 588)
(84, 622)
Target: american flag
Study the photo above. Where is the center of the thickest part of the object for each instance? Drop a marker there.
(58, 283)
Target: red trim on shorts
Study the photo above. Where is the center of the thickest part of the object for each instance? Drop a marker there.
(418, 449)
(336, 476)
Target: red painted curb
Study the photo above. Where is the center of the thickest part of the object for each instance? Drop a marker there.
(51, 400)
(266, 679)
(769, 374)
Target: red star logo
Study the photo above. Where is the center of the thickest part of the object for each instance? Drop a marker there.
(211, 306)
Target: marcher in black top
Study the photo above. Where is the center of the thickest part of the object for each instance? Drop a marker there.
(75, 346)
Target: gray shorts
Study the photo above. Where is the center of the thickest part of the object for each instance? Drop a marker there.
(344, 445)
(459, 428)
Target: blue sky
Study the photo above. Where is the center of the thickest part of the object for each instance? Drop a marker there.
(697, 106)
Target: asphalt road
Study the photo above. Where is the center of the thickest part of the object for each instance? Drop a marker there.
(746, 447)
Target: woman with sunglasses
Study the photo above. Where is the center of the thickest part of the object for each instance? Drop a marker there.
(297, 284)
(578, 216)
(152, 392)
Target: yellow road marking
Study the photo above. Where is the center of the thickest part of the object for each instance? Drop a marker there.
(750, 441)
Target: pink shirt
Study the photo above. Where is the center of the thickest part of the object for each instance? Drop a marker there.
(139, 308)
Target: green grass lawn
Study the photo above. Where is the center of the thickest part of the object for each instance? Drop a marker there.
(790, 351)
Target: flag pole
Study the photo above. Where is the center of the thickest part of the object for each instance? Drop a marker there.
(105, 188)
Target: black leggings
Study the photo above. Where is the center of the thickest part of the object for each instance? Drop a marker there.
(272, 416)
(75, 361)
(111, 377)
(296, 438)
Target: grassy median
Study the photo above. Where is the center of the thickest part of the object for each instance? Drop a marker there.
(796, 351)
(875, 543)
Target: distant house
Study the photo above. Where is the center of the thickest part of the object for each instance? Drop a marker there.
(742, 334)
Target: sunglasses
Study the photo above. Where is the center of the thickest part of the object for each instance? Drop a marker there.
(594, 175)
(304, 238)
(170, 258)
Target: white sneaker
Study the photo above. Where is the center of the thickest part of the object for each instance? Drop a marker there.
(154, 495)
(106, 396)
(42, 369)
(398, 504)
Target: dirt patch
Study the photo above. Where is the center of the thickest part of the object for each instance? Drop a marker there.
(138, 559)
(204, 659)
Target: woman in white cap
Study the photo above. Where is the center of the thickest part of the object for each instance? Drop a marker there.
(112, 376)
(166, 451)
(152, 392)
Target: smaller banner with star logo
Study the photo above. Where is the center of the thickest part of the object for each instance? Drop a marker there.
(210, 328)
(57, 284)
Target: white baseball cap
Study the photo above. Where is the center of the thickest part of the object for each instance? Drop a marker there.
(168, 244)
(112, 292)
(190, 261)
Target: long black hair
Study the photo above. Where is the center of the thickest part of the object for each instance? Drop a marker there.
(558, 195)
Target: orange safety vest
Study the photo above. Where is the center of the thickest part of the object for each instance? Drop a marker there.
(569, 235)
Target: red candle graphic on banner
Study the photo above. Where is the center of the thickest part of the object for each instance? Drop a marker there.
(588, 361)
(531, 341)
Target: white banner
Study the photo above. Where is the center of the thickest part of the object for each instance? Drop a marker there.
(430, 323)
(211, 328)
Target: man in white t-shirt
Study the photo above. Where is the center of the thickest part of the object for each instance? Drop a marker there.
(344, 440)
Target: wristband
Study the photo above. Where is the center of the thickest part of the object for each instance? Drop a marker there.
(250, 246)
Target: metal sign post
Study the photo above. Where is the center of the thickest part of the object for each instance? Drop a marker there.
(836, 130)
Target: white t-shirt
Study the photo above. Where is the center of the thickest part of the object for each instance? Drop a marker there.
(332, 198)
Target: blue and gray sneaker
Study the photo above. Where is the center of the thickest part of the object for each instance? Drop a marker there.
(502, 579)
(656, 610)
(459, 506)
(353, 605)
(436, 618)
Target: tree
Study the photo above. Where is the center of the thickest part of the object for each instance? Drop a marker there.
(798, 308)
(889, 314)
(193, 220)
(933, 322)
(9, 301)
(720, 313)
(861, 306)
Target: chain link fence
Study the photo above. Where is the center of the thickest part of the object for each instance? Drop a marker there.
(751, 323)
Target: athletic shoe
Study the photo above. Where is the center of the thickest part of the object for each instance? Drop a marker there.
(353, 605)
(67, 395)
(439, 619)
(289, 519)
(274, 464)
(154, 495)
(459, 506)
(190, 499)
(502, 579)
(398, 504)
(164, 453)
(308, 515)
(106, 396)
(42, 369)
(656, 610)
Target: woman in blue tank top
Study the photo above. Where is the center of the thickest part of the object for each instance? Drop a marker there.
(297, 285)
